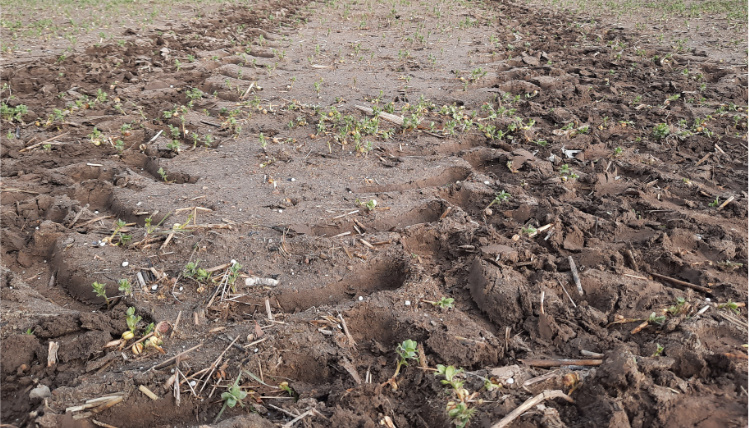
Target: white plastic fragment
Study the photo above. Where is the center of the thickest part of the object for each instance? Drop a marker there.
(254, 280)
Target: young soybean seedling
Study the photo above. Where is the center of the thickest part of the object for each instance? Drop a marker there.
(499, 198)
(231, 397)
(406, 351)
(125, 287)
(131, 319)
(445, 303)
(100, 291)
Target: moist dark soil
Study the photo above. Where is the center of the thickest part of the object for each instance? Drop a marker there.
(225, 169)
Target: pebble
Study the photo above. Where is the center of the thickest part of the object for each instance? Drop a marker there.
(408, 303)
(510, 381)
(361, 298)
(125, 264)
(154, 287)
(41, 391)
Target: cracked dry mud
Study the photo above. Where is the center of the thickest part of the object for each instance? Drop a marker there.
(275, 168)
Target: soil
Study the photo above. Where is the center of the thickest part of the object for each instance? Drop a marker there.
(354, 240)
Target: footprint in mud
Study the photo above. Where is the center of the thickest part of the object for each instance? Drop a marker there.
(444, 177)
(425, 213)
(389, 272)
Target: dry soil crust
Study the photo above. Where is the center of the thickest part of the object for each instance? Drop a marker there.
(283, 192)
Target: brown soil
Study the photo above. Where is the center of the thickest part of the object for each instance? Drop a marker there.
(293, 209)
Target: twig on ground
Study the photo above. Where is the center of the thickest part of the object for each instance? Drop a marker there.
(214, 366)
(144, 389)
(291, 423)
(590, 354)
(164, 363)
(43, 142)
(529, 403)
(575, 276)
(345, 330)
(557, 362)
(567, 294)
(681, 283)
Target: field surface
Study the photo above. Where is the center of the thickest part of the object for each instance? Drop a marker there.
(362, 214)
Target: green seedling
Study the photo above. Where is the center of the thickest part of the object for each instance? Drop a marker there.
(370, 205)
(661, 131)
(149, 328)
(13, 113)
(658, 350)
(730, 265)
(677, 308)
(162, 174)
(529, 230)
(445, 303)
(131, 319)
(566, 172)
(287, 389)
(450, 373)
(731, 306)
(232, 397)
(499, 198)
(101, 96)
(408, 350)
(618, 151)
(125, 287)
(490, 385)
(458, 411)
(101, 291)
(656, 319)
(233, 273)
(715, 203)
(29, 331)
(199, 274)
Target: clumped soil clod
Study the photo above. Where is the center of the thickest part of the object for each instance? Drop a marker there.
(537, 190)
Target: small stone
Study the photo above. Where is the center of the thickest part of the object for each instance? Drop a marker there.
(41, 391)
(125, 264)
(408, 303)
(154, 287)
(510, 381)
(361, 298)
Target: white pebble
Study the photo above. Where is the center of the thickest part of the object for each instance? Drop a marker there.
(293, 179)
(361, 298)
(408, 303)
(280, 211)
(233, 262)
(510, 381)
(256, 350)
(487, 182)
(193, 383)
(181, 288)
(707, 299)
(139, 203)
(125, 264)
(154, 287)
(96, 212)
(37, 228)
